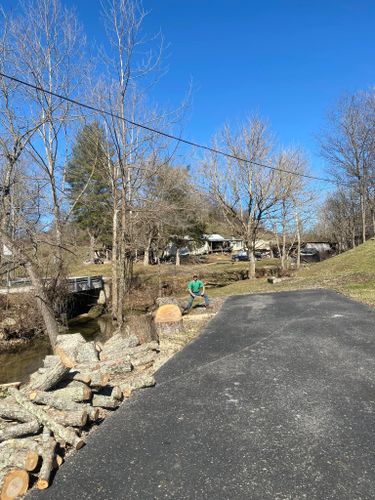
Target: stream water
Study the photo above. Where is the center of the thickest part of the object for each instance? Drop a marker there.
(17, 364)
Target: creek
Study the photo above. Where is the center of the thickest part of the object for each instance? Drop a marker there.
(19, 362)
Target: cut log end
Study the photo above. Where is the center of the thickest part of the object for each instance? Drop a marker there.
(93, 413)
(67, 360)
(79, 444)
(15, 484)
(31, 461)
(57, 461)
(42, 484)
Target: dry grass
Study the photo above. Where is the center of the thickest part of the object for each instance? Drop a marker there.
(351, 273)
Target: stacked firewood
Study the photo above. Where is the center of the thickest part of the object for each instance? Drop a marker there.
(75, 388)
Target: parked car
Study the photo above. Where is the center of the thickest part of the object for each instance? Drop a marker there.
(242, 255)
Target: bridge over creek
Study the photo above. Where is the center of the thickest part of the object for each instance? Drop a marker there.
(76, 284)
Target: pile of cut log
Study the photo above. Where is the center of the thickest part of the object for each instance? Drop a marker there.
(75, 389)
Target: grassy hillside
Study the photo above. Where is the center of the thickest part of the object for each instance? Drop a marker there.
(351, 273)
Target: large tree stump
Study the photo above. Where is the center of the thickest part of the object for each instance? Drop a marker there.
(168, 323)
(62, 434)
(13, 483)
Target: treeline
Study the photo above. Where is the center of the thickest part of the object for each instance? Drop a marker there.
(348, 145)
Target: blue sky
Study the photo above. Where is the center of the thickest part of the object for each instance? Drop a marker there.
(288, 60)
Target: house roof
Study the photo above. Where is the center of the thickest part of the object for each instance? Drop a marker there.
(213, 237)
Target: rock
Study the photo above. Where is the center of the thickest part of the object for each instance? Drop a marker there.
(8, 323)
(274, 279)
(96, 311)
(102, 298)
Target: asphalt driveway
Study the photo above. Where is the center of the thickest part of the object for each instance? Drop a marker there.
(275, 400)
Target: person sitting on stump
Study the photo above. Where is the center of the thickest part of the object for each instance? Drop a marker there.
(196, 288)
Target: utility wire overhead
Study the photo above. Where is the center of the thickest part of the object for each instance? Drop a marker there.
(159, 132)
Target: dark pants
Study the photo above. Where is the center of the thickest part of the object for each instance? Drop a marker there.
(191, 299)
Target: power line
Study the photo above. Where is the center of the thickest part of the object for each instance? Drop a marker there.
(159, 132)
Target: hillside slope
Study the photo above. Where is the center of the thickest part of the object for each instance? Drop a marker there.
(351, 273)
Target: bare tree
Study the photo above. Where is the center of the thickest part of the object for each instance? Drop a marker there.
(340, 217)
(49, 46)
(246, 193)
(171, 209)
(16, 133)
(294, 201)
(128, 63)
(348, 146)
(40, 43)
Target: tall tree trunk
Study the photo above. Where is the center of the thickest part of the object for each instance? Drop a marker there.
(146, 257)
(298, 230)
(122, 261)
(283, 252)
(92, 247)
(178, 257)
(251, 261)
(363, 215)
(114, 293)
(43, 302)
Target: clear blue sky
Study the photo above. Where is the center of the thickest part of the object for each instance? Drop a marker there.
(289, 60)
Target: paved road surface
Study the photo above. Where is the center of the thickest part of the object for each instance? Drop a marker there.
(276, 400)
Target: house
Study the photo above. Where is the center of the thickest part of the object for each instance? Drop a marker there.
(213, 243)
(319, 246)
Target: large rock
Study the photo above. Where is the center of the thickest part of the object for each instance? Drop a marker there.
(274, 279)
(102, 298)
(95, 311)
(8, 323)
